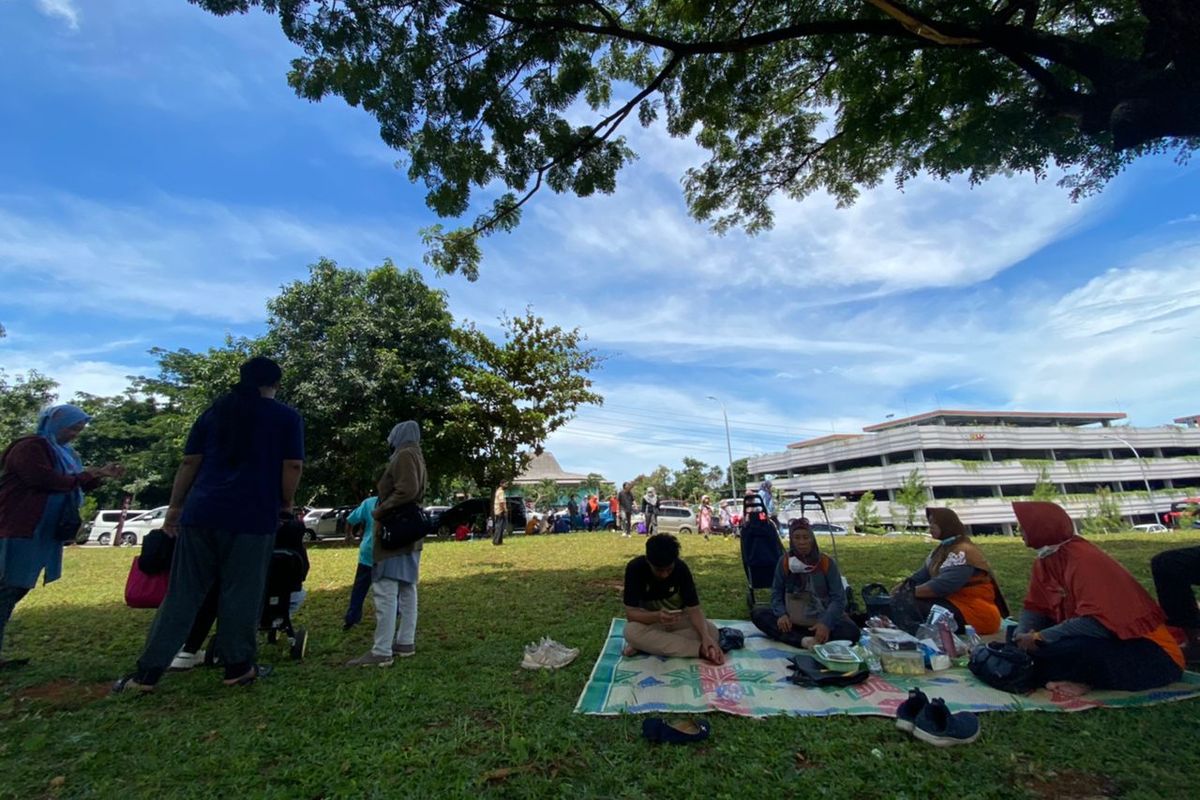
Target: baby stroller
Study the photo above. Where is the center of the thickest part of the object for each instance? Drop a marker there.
(761, 547)
(285, 580)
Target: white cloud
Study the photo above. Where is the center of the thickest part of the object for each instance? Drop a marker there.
(66, 10)
(174, 258)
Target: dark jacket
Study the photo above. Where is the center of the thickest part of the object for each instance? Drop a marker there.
(625, 498)
(30, 476)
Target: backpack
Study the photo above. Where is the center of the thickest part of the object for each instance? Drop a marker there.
(808, 672)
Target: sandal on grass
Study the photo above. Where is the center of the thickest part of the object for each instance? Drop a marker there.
(13, 663)
(675, 732)
(256, 672)
(128, 684)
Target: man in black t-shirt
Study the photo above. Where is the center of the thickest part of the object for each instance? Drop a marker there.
(662, 610)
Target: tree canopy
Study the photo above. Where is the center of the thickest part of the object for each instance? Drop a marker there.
(787, 97)
(360, 350)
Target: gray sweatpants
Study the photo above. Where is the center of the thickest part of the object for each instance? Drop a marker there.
(237, 564)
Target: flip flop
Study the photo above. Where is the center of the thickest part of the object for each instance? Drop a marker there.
(13, 663)
(260, 671)
(681, 731)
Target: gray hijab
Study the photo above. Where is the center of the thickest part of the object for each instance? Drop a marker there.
(405, 433)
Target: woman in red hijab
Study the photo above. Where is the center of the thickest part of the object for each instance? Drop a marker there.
(1087, 623)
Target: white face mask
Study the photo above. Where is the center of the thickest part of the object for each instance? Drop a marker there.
(798, 566)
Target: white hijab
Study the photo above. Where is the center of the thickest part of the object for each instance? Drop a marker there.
(405, 433)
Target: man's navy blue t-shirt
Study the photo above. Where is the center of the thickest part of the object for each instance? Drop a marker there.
(244, 498)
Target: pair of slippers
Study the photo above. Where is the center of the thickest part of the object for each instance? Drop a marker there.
(655, 729)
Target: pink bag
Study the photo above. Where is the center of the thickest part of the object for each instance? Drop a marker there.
(145, 591)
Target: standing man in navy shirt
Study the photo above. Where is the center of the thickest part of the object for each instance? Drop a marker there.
(241, 466)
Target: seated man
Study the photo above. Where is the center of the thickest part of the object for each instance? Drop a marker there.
(1175, 573)
(808, 600)
(662, 611)
(957, 577)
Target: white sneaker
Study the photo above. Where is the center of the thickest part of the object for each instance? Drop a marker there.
(548, 654)
(184, 660)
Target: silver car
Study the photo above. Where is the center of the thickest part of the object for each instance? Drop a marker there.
(676, 519)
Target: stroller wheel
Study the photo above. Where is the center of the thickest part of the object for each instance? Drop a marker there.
(299, 644)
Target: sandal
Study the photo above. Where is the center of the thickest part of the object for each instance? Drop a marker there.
(13, 663)
(129, 684)
(676, 732)
(256, 672)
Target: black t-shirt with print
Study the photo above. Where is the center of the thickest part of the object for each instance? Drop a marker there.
(643, 589)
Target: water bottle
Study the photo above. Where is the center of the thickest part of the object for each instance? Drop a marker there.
(972, 638)
(873, 662)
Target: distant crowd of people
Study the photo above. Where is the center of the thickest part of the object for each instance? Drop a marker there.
(1085, 620)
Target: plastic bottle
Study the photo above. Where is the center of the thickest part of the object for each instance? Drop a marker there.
(972, 638)
(873, 662)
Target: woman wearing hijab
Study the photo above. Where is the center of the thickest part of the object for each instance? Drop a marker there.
(705, 518)
(1086, 621)
(808, 600)
(42, 483)
(957, 577)
(650, 510)
(396, 572)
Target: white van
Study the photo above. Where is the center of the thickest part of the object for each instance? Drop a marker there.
(104, 523)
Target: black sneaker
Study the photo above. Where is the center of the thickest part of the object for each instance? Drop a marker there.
(937, 726)
(906, 714)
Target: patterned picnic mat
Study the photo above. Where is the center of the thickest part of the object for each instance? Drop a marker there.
(753, 683)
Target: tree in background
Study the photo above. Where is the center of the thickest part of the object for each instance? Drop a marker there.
(695, 480)
(741, 476)
(137, 432)
(1104, 516)
(1044, 488)
(912, 496)
(362, 350)
(514, 393)
(788, 99)
(866, 515)
(545, 493)
(20, 402)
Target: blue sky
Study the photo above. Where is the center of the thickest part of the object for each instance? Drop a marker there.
(159, 182)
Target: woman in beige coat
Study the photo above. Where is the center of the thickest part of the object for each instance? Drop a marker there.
(395, 573)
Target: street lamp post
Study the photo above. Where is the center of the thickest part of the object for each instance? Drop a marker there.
(728, 448)
(1141, 467)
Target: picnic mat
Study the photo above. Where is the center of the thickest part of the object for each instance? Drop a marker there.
(753, 683)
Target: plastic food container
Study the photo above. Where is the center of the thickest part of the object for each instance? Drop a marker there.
(904, 662)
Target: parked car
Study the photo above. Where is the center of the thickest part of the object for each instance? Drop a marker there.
(676, 519)
(828, 528)
(435, 514)
(101, 528)
(325, 523)
(1151, 527)
(135, 529)
(475, 511)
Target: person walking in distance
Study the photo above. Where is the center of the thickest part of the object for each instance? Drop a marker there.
(625, 502)
(650, 505)
(499, 515)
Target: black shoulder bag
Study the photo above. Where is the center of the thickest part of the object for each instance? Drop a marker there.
(1004, 666)
(402, 526)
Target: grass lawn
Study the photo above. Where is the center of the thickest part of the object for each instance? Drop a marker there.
(462, 719)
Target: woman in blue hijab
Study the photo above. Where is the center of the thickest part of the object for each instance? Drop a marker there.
(41, 489)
